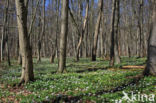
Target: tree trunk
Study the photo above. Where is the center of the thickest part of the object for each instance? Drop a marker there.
(94, 49)
(25, 49)
(20, 59)
(116, 50)
(151, 61)
(4, 30)
(57, 28)
(102, 40)
(112, 34)
(83, 31)
(63, 36)
(52, 58)
(7, 43)
(8, 54)
(2, 45)
(39, 51)
(42, 34)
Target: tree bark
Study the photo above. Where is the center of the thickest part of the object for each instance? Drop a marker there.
(139, 30)
(116, 50)
(39, 51)
(52, 58)
(151, 61)
(25, 49)
(63, 36)
(94, 49)
(57, 29)
(8, 54)
(3, 41)
(7, 42)
(112, 34)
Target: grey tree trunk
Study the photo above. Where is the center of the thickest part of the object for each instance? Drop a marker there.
(42, 34)
(57, 29)
(52, 58)
(3, 42)
(102, 38)
(97, 27)
(39, 51)
(63, 36)
(7, 42)
(112, 34)
(8, 54)
(116, 50)
(151, 61)
(25, 49)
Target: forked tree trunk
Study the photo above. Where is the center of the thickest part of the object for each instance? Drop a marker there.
(97, 27)
(25, 49)
(63, 36)
(83, 31)
(151, 61)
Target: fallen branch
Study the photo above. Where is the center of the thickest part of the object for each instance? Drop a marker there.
(132, 67)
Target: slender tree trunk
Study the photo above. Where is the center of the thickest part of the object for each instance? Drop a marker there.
(151, 61)
(2, 45)
(8, 53)
(102, 40)
(94, 49)
(4, 29)
(57, 29)
(25, 49)
(63, 36)
(112, 33)
(86, 42)
(39, 51)
(7, 42)
(83, 31)
(52, 58)
(116, 49)
(42, 34)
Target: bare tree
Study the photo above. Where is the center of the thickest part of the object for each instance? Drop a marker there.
(83, 31)
(96, 33)
(63, 36)
(25, 49)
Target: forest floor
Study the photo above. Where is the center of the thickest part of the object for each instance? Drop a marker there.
(85, 81)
